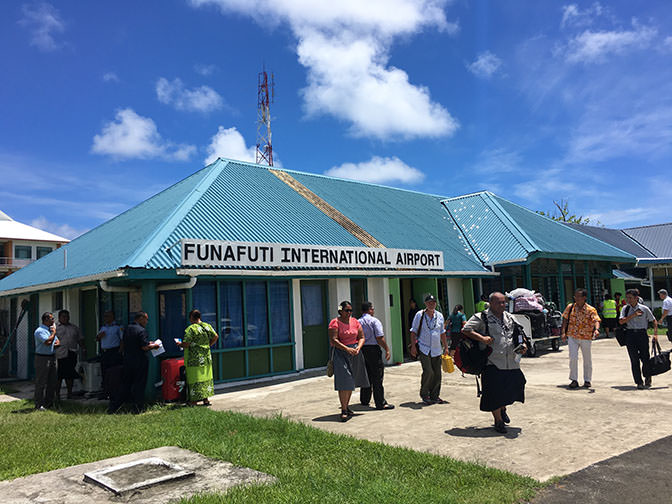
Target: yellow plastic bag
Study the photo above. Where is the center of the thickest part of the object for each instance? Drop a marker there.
(447, 363)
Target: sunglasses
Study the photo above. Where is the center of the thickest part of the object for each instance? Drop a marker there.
(349, 310)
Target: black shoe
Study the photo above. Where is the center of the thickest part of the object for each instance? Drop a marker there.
(640, 386)
(587, 384)
(440, 401)
(500, 427)
(647, 382)
(574, 384)
(350, 412)
(505, 417)
(385, 406)
(427, 401)
(364, 403)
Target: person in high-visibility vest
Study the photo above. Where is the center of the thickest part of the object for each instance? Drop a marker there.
(483, 304)
(609, 314)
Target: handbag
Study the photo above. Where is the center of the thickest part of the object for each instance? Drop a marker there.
(659, 363)
(621, 330)
(330, 364)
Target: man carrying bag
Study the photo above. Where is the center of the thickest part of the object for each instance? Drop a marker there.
(636, 318)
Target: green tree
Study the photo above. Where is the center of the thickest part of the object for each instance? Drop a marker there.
(563, 214)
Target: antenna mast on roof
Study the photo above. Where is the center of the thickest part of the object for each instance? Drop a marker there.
(265, 96)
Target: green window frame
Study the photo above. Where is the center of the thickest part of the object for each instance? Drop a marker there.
(251, 359)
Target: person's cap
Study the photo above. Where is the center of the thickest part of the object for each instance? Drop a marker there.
(429, 297)
(662, 291)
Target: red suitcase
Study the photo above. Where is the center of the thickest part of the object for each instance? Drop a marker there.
(172, 383)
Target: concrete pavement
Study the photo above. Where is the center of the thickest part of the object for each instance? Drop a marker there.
(556, 432)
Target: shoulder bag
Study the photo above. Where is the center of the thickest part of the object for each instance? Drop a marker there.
(659, 363)
(621, 330)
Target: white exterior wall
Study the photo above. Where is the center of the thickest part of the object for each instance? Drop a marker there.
(339, 290)
(455, 294)
(298, 323)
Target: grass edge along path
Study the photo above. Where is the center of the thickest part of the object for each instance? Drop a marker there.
(311, 465)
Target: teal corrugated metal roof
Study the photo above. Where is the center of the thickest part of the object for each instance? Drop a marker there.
(500, 231)
(246, 202)
(230, 200)
(395, 217)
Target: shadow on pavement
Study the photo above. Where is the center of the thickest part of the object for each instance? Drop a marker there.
(415, 405)
(483, 432)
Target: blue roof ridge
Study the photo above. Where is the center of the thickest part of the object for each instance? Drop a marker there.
(567, 227)
(333, 178)
(469, 195)
(149, 247)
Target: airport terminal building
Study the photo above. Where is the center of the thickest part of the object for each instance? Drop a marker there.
(267, 254)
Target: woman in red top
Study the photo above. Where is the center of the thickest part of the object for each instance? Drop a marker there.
(347, 338)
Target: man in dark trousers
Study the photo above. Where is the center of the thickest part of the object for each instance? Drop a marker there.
(136, 364)
(374, 339)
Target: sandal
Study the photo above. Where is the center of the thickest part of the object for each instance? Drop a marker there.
(344, 417)
(350, 412)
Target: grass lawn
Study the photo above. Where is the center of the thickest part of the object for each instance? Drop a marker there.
(311, 465)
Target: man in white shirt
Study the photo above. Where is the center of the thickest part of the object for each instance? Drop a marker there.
(374, 339)
(428, 342)
(667, 312)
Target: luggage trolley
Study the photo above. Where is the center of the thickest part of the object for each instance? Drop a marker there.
(539, 326)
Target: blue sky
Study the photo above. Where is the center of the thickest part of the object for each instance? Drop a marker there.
(106, 103)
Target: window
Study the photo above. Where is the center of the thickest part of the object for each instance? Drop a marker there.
(23, 252)
(56, 301)
(254, 325)
(231, 314)
(256, 313)
(172, 318)
(204, 299)
(42, 251)
(280, 323)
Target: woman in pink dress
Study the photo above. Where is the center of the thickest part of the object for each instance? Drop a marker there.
(347, 338)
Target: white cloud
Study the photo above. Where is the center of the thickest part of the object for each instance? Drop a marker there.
(110, 77)
(667, 43)
(500, 160)
(378, 170)
(64, 230)
(348, 79)
(229, 143)
(133, 136)
(595, 46)
(603, 135)
(485, 65)
(201, 99)
(345, 47)
(572, 15)
(44, 22)
(204, 70)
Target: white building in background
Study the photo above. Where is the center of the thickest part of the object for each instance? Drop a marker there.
(21, 244)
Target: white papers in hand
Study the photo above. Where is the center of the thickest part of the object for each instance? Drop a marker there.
(160, 350)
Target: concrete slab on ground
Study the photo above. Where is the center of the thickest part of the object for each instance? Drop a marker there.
(556, 432)
(67, 486)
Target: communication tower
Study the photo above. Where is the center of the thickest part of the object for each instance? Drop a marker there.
(265, 96)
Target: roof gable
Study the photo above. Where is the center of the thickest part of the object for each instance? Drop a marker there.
(656, 238)
(500, 231)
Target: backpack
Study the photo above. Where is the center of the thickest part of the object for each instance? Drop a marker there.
(469, 358)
